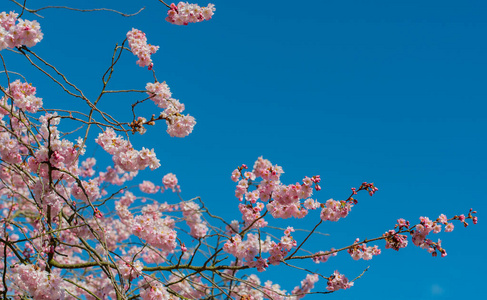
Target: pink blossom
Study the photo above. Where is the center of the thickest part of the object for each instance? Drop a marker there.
(185, 13)
(192, 215)
(235, 175)
(140, 48)
(338, 281)
(395, 241)
(442, 219)
(321, 256)
(123, 155)
(13, 35)
(449, 227)
(180, 125)
(334, 210)
(306, 286)
(153, 290)
(159, 93)
(170, 182)
(23, 95)
(148, 187)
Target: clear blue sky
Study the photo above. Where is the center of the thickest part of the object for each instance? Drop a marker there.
(390, 92)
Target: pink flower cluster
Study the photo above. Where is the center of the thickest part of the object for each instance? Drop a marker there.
(395, 241)
(252, 215)
(337, 282)
(13, 35)
(160, 93)
(249, 250)
(89, 193)
(156, 231)
(49, 197)
(424, 228)
(37, 283)
(150, 226)
(284, 200)
(23, 95)
(153, 291)
(420, 232)
(191, 288)
(280, 250)
(192, 215)
(306, 286)
(247, 290)
(138, 45)
(128, 269)
(334, 210)
(124, 155)
(178, 125)
(61, 153)
(185, 13)
(148, 187)
(87, 165)
(170, 181)
(323, 256)
(362, 251)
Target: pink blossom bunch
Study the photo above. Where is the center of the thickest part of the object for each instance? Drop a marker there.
(100, 286)
(422, 230)
(322, 256)
(23, 96)
(87, 165)
(170, 181)
(160, 93)
(89, 191)
(337, 282)
(13, 35)
(241, 189)
(335, 210)
(274, 291)
(185, 13)
(157, 232)
(252, 215)
(39, 284)
(286, 199)
(395, 241)
(191, 288)
(180, 125)
(264, 168)
(138, 44)
(235, 175)
(362, 251)
(116, 175)
(419, 232)
(306, 286)
(232, 228)
(246, 290)
(124, 155)
(61, 153)
(148, 187)
(280, 250)
(9, 149)
(154, 290)
(49, 198)
(129, 270)
(192, 215)
(249, 250)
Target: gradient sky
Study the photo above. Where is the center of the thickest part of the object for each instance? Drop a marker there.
(390, 92)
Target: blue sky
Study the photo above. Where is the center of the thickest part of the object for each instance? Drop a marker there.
(390, 92)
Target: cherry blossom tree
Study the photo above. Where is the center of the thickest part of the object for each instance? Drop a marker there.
(73, 226)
